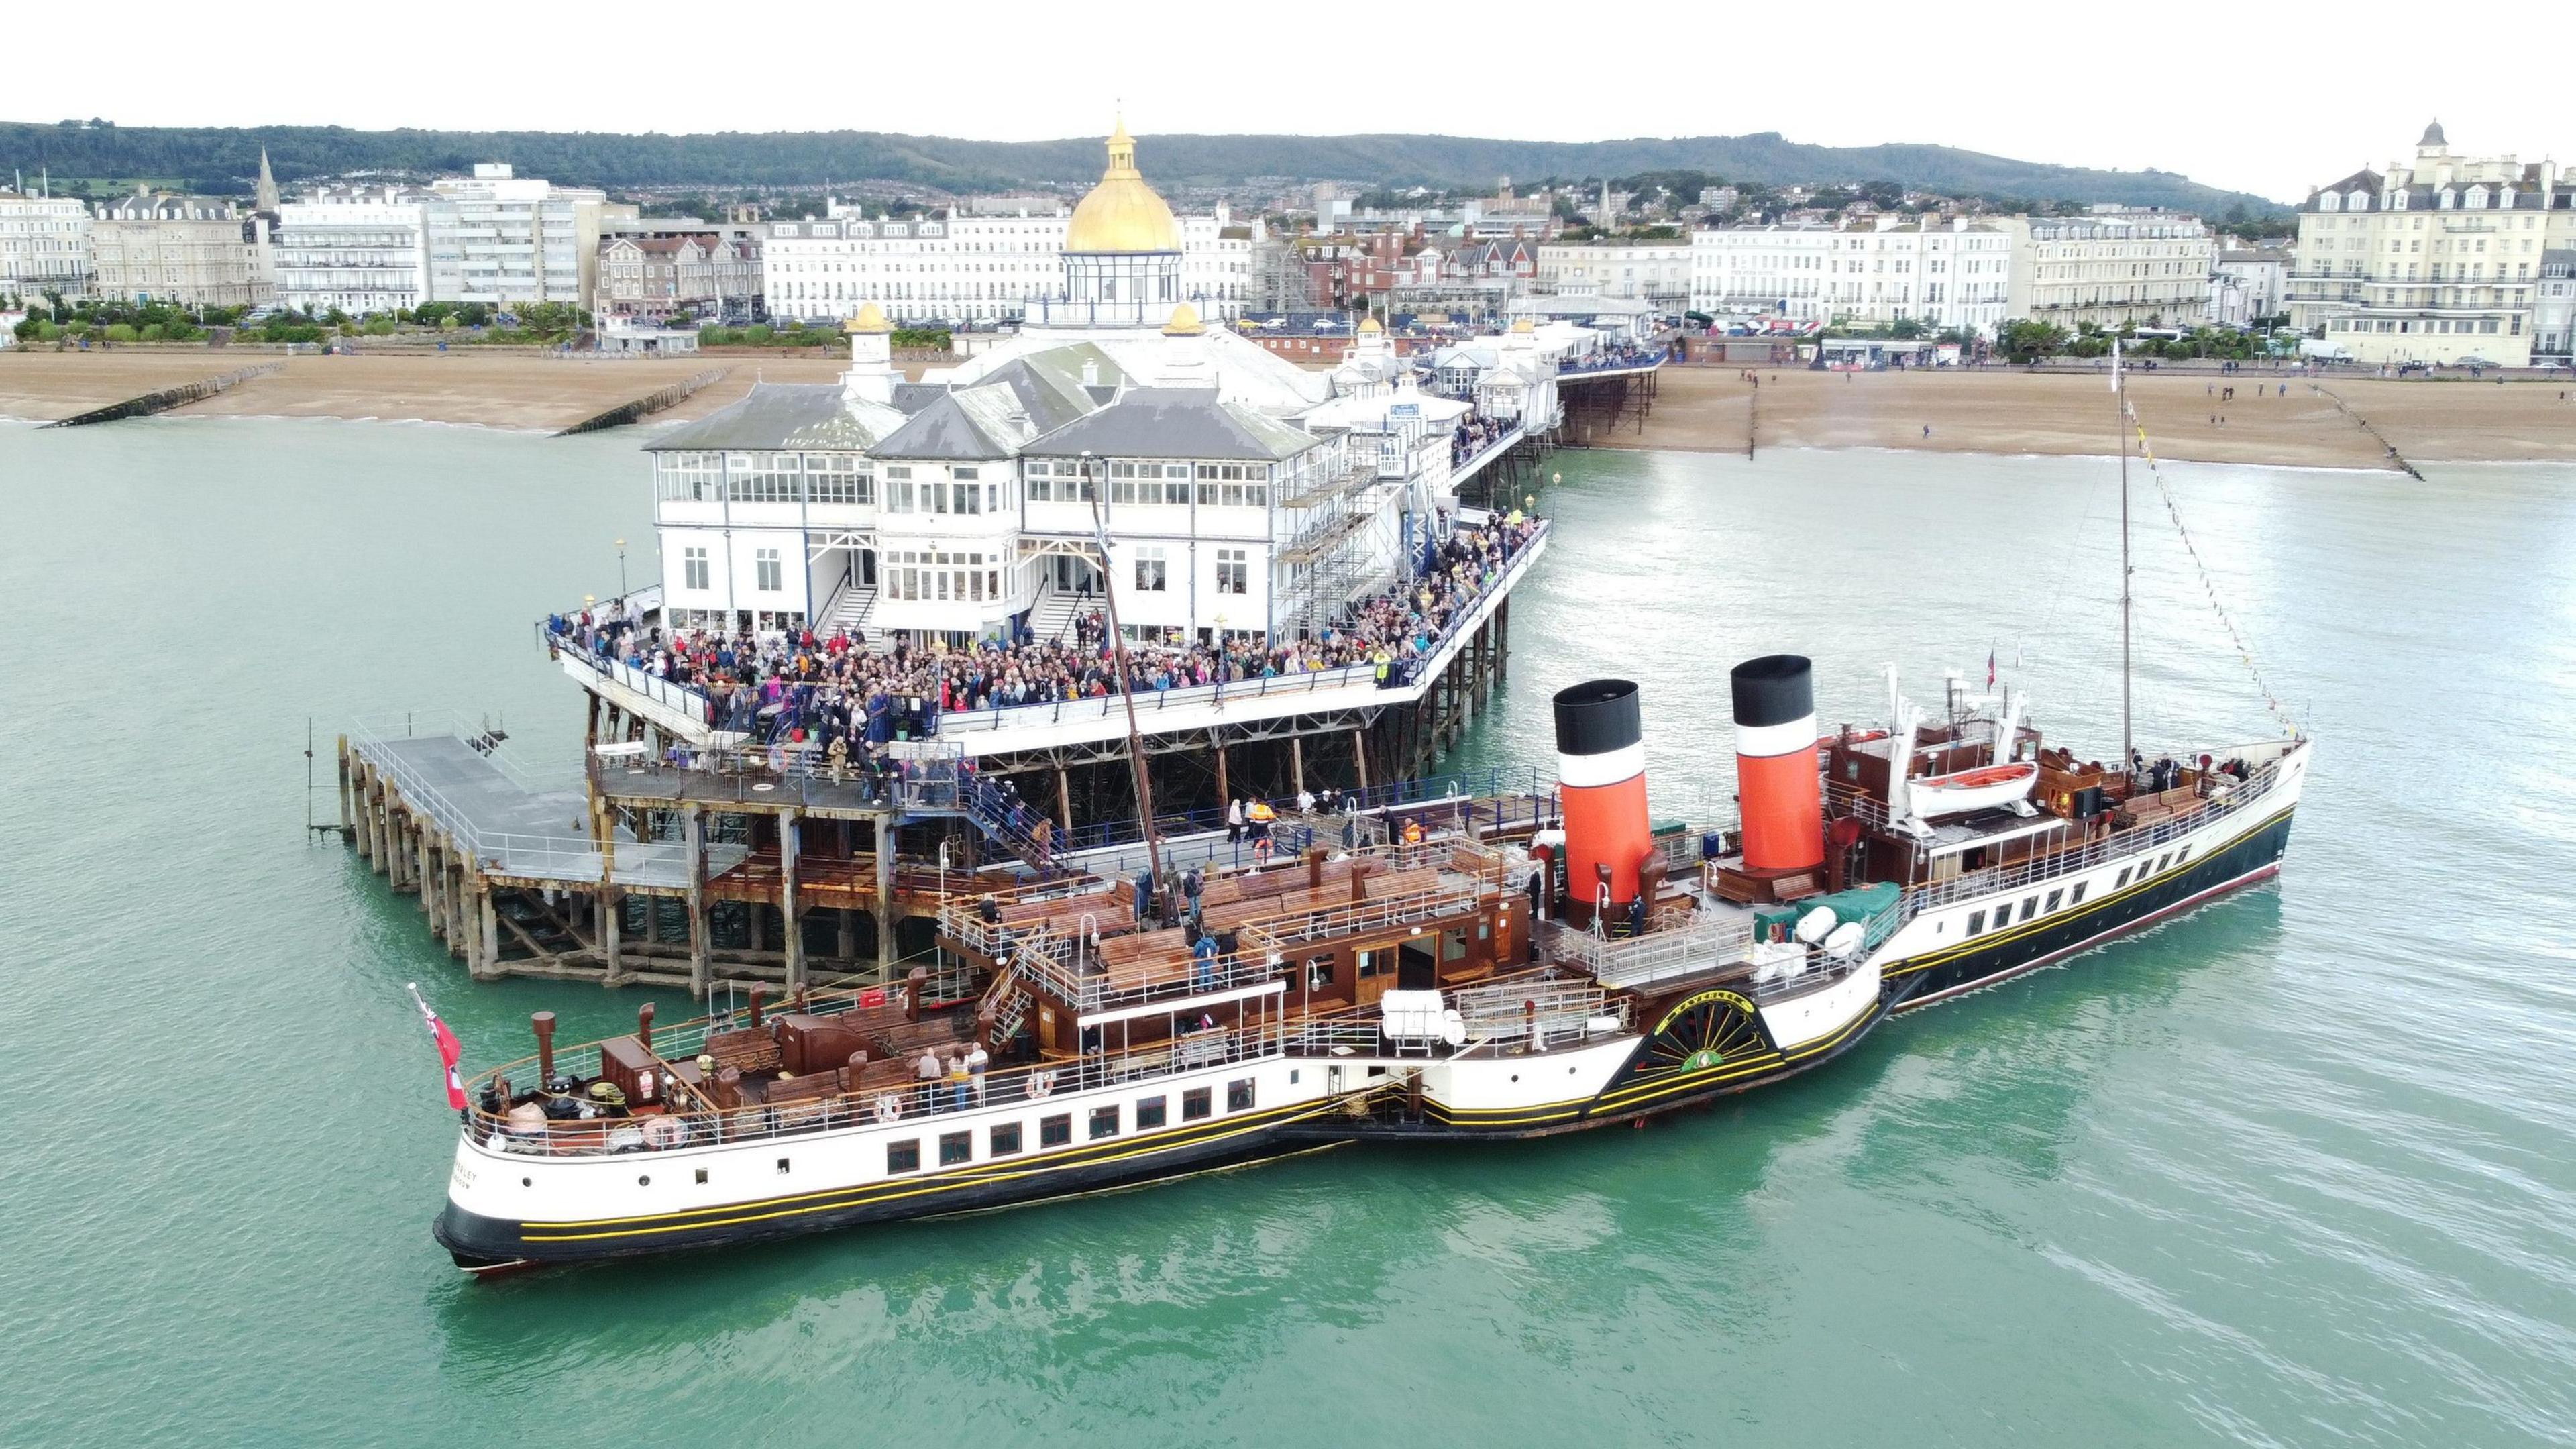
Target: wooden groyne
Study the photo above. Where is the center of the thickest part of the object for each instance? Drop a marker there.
(166, 398)
(649, 404)
(2394, 457)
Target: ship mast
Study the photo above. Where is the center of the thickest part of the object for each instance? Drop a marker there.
(1126, 692)
(2120, 403)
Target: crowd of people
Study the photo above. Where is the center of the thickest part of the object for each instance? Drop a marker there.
(1609, 359)
(1474, 435)
(832, 694)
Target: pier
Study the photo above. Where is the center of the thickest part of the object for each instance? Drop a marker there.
(684, 852)
(1602, 395)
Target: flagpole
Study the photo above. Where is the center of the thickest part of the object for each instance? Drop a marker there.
(2120, 395)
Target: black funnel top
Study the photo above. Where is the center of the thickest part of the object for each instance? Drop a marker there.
(1774, 689)
(1597, 716)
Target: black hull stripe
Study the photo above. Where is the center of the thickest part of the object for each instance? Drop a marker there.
(2250, 857)
(730, 1214)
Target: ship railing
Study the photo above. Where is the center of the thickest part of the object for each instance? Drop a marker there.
(1073, 976)
(698, 1123)
(962, 919)
(2254, 790)
(1535, 1015)
(1711, 943)
(1452, 896)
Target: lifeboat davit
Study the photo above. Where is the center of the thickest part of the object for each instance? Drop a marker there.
(1983, 788)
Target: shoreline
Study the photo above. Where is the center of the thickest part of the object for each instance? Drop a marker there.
(2328, 423)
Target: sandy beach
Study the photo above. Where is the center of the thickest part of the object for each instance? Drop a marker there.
(2011, 411)
(507, 390)
(1697, 409)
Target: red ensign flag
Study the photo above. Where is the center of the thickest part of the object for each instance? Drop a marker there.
(448, 1051)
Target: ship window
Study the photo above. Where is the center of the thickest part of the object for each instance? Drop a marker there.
(903, 1156)
(1368, 964)
(1194, 1104)
(2053, 897)
(1104, 1122)
(2182, 855)
(782, 1164)
(1976, 923)
(702, 1177)
(1005, 1141)
(1238, 1095)
(1055, 1131)
(2029, 907)
(2123, 880)
(2075, 897)
(2162, 862)
(956, 1147)
(1152, 1112)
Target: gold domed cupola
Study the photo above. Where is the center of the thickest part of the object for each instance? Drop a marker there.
(1122, 214)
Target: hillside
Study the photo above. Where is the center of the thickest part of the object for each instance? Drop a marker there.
(806, 158)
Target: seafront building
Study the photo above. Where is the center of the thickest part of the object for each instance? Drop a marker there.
(1957, 274)
(2553, 316)
(1656, 272)
(2113, 268)
(2248, 285)
(665, 266)
(362, 251)
(2438, 259)
(503, 239)
(196, 251)
(44, 245)
(972, 266)
(493, 237)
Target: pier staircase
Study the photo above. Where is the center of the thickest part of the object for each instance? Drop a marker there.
(855, 609)
(1007, 822)
(1052, 620)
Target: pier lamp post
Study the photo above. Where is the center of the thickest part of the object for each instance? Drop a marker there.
(621, 568)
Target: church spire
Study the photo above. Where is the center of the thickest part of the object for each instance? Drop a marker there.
(266, 200)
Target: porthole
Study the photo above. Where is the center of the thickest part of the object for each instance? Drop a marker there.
(1516, 1076)
(527, 1182)
(644, 1180)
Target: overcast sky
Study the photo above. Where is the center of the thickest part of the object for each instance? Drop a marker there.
(2231, 96)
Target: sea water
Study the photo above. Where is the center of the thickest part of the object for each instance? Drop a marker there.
(2293, 1169)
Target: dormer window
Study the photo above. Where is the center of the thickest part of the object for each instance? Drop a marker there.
(2449, 199)
(2477, 198)
(2330, 201)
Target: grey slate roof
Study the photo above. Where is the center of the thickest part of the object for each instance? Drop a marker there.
(778, 415)
(974, 424)
(1173, 422)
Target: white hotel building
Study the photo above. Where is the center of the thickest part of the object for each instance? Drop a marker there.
(1241, 494)
(44, 246)
(493, 238)
(973, 268)
(1955, 274)
(2438, 259)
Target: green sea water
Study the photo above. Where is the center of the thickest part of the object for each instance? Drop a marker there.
(2296, 1169)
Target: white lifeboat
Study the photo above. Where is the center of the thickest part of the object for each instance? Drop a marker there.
(1983, 788)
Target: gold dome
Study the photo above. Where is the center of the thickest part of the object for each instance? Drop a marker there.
(871, 318)
(1524, 325)
(1122, 213)
(1369, 325)
(1185, 322)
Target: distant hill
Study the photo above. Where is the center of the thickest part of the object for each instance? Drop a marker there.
(805, 158)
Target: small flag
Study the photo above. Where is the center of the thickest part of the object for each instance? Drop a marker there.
(448, 1051)
(1990, 666)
